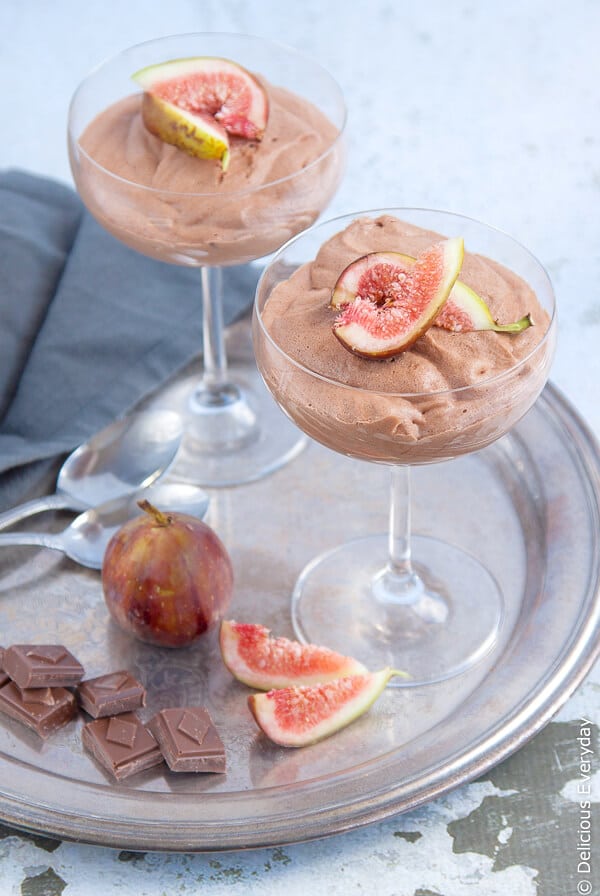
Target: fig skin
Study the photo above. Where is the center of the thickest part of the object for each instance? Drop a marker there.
(263, 662)
(384, 324)
(195, 103)
(167, 578)
(194, 135)
(303, 715)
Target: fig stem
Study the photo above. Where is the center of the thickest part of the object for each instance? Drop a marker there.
(399, 673)
(160, 518)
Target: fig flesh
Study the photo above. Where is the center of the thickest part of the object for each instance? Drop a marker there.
(196, 103)
(263, 662)
(167, 577)
(386, 306)
(465, 311)
(298, 716)
(462, 312)
(198, 135)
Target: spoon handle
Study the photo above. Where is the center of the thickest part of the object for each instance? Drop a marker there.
(44, 539)
(57, 501)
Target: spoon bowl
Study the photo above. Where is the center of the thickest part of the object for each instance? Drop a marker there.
(127, 455)
(85, 540)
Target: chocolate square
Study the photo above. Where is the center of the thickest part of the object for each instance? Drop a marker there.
(121, 744)
(188, 739)
(41, 709)
(121, 731)
(109, 695)
(42, 665)
(4, 678)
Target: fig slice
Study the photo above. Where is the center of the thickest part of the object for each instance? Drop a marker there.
(298, 716)
(198, 135)
(386, 306)
(465, 311)
(263, 662)
(210, 97)
(462, 312)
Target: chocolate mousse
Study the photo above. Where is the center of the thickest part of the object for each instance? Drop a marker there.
(449, 394)
(168, 204)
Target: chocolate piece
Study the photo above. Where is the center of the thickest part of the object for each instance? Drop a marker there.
(41, 709)
(188, 739)
(42, 665)
(108, 695)
(122, 744)
(4, 678)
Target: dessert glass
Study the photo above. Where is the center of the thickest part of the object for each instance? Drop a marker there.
(233, 431)
(412, 602)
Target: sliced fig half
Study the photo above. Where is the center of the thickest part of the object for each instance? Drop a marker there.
(207, 90)
(463, 311)
(298, 716)
(198, 135)
(263, 662)
(386, 306)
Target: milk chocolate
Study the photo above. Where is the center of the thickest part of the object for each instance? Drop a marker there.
(42, 665)
(4, 678)
(121, 744)
(109, 695)
(41, 709)
(188, 739)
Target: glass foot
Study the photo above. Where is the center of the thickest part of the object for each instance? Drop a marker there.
(448, 621)
(239, 438)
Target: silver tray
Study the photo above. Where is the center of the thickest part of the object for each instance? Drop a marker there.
(529, 506)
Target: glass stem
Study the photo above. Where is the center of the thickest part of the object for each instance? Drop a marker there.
(220, 417)
(213, 334)
(215, 390)
(398, 583)
(399, 562)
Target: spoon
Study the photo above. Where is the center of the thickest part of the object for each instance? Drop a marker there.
(86, 538)
(126, 455)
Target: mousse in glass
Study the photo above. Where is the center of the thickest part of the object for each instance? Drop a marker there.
(199, 212)
(410, 602)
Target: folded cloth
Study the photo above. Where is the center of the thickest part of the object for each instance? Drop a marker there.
(88, 327)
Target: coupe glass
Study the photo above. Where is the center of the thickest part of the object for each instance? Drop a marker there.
(411, 602)
(233, 431)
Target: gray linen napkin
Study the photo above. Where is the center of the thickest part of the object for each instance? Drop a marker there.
(87, 326)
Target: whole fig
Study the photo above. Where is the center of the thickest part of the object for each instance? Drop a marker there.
(167, 577)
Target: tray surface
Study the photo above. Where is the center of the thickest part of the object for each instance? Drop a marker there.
(528, 506)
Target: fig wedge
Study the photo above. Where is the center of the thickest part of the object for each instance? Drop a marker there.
(462, 312)
(298, 716)
(263, 662)
(386, 306)
(196, 103)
